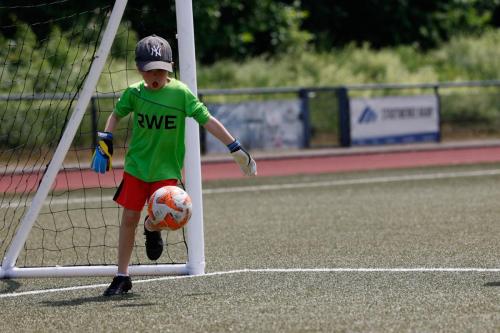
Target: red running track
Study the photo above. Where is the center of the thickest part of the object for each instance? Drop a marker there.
(357, 162)
(19, 183)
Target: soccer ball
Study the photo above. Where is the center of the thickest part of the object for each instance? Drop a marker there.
(170, 208)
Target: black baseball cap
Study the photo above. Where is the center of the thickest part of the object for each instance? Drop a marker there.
(153, 52)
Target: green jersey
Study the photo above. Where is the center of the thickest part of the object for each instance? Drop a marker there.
(156, 149)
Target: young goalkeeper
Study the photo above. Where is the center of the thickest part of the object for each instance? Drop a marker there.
(159, 105)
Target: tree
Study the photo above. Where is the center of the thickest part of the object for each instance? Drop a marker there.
(224, 29)
(393, 22)
(238, 29)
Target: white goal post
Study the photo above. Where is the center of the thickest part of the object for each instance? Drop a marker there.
(194, 230)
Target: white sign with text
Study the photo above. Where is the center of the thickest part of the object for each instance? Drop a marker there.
(394, 119)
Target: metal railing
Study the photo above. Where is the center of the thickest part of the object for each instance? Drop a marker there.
(303, 94)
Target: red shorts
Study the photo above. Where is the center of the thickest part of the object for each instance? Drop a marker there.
(133, 192)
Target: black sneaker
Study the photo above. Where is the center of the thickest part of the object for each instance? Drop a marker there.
(154, 244)
(120, 285)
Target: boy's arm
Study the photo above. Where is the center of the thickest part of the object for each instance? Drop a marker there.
(111, 123)
(219, 131)
(102, 158)
(241, 156)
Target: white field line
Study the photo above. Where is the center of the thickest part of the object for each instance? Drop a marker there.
(275, 187)
(269, 270)
(359, 181)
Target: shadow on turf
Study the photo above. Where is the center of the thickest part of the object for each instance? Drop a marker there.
(10, 286)
(492, 284)
(97, 299)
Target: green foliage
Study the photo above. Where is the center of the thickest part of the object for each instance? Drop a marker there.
(242, 29)
(390, 23)
(473, 58)
(464, 58)
(30, 66)
(236, 29)
(470, 112)
(349, 66)
(59, 63)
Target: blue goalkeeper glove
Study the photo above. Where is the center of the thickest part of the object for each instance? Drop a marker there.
(242, 158)
(101, 160)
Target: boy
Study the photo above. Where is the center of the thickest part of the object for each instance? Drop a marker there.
(155, 155)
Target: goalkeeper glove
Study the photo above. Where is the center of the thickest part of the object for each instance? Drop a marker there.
(243, 158)
(101, 160)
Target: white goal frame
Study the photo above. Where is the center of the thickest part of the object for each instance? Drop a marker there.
(194, 230)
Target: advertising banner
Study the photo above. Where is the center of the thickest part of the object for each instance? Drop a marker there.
(274, 124)
(394, 119)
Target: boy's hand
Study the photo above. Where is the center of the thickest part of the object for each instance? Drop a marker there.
(101, 160)
(242, 157)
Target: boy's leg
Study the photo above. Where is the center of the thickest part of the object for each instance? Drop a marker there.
(131, 195)
(154, 242)
(122, 282)
(130, 220)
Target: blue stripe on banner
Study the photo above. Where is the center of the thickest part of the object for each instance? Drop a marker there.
(395, 139)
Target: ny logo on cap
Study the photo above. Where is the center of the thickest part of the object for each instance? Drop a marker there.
(156, 50)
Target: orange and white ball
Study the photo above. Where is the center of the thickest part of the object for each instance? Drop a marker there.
(170, 208)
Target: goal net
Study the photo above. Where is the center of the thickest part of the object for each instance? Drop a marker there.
(63, 65)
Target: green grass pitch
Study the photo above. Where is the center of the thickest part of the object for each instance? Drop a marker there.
(356, 220)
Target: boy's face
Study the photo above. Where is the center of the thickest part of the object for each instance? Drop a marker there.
(155, 79)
